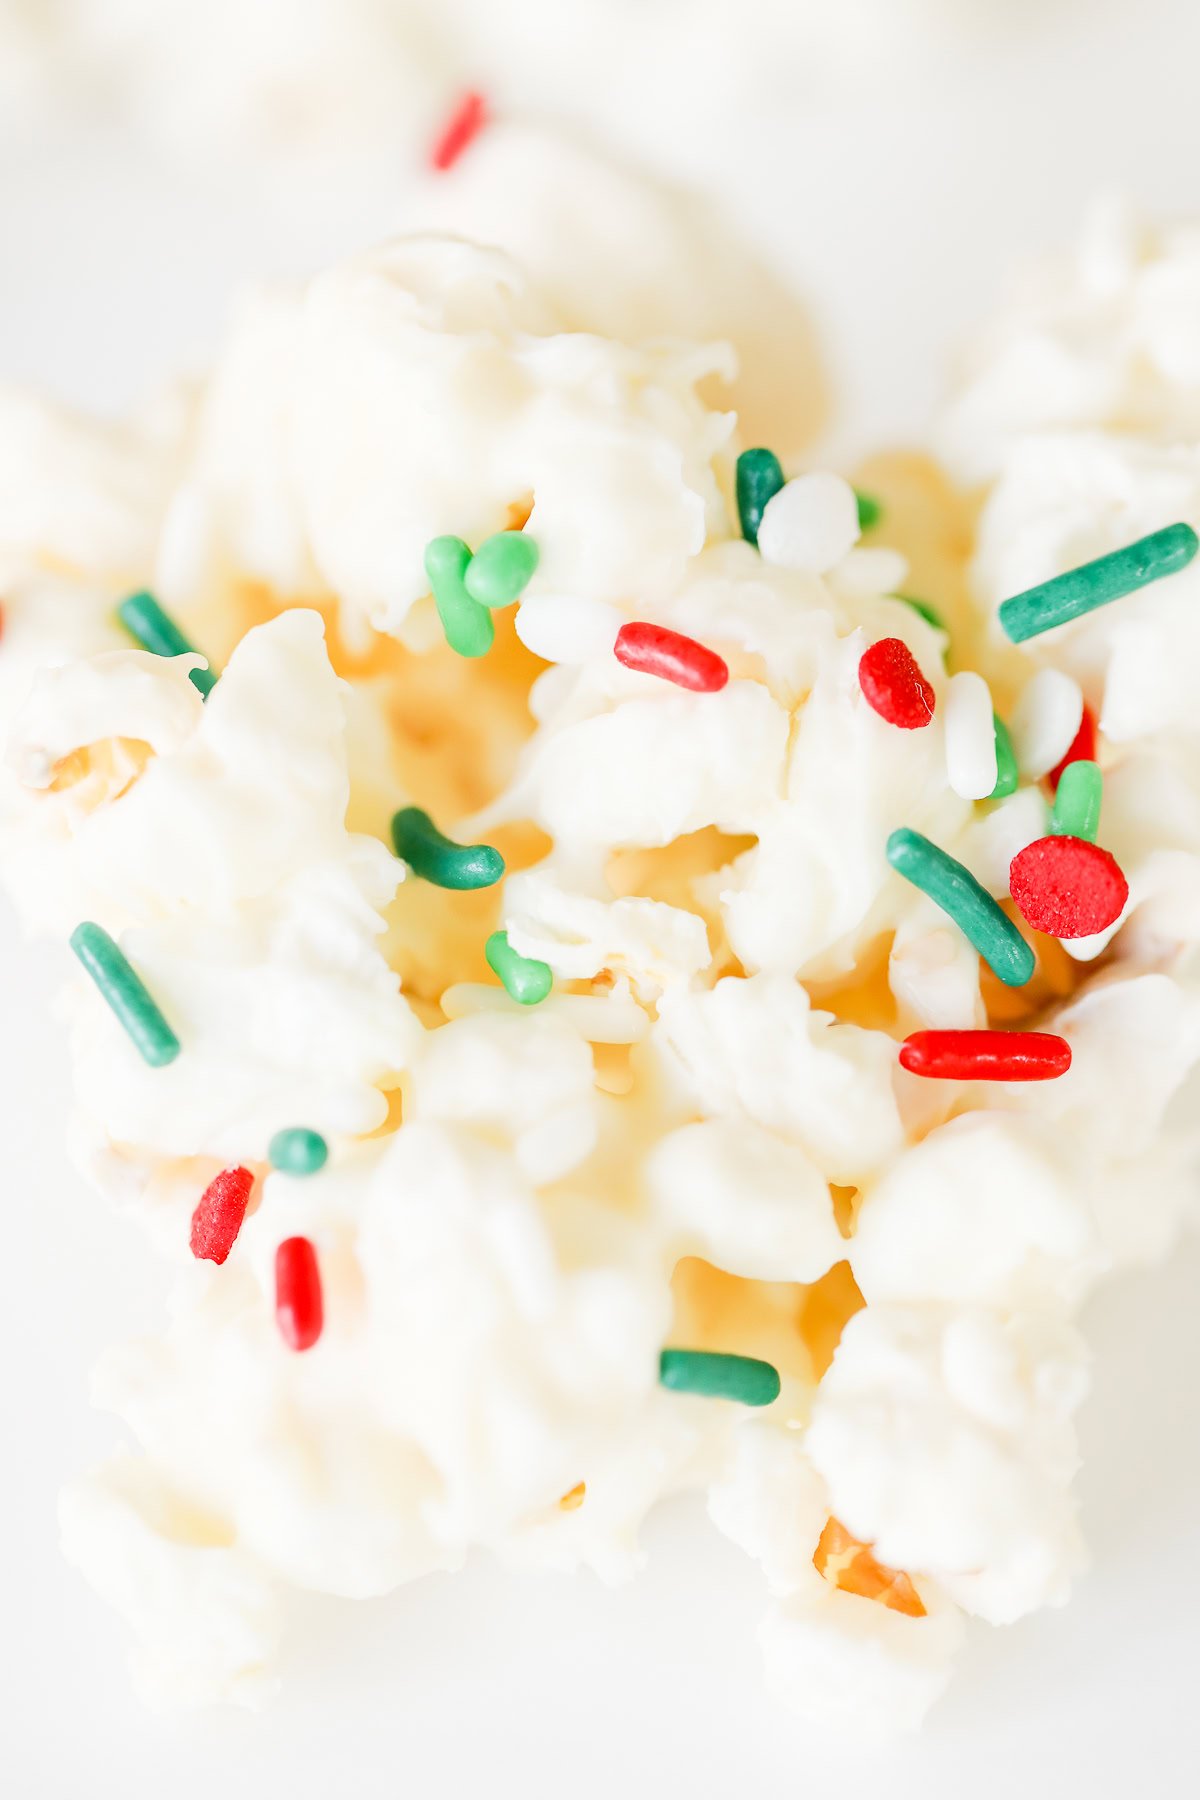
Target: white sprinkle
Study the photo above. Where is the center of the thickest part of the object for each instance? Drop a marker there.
(865, 573)
(1045, 720)
(970, 736)
(810, 523)
(567, 628)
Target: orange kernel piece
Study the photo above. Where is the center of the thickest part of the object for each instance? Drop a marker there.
(850, 1566)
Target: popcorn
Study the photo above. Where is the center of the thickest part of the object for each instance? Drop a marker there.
(695, 1160)
(1104, 341)
(250, 911)
(206, 1618)
(995, 1526)
(80, 498)
(843, 1660)
(300, 479)
(745, 1200)
(987, 1209)
(621, 256)
(754, 1048)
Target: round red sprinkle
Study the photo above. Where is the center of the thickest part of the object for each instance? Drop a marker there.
(1067, 887)
(219, 1214)
(891, 679)
(653, 650)
(1083, 747)
(465, 123)
(299, 1310)
(986, 1055)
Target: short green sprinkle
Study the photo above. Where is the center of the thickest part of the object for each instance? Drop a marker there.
(500, 568)
(525, 979)
(1006, 761)
(759, 478)
(298, 1151)
(467, 625)
(1077, 803)
(870, 510)
(126, 993)
(930, 614)
(953, 888)
(155, 630)
(1095, 583)
(438, 859)
(719, 1376)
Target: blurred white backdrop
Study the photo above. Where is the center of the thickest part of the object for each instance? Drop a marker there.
(893, 158)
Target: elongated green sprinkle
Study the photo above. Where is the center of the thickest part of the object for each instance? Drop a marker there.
(126, 993)
(1006, 761)
(930, 614)
(156, 631)
(870, 510)
(525, 979)
(497, 573)
(759, 478)
(438, 859)
(719, 1376)
(467, 625)
(1095, 583)
(953, 888)
(298, 1151)
(1077, 803)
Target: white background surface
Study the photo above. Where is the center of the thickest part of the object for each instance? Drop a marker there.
(899, 199)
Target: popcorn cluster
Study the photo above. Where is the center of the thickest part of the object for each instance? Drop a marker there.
(704, 1136)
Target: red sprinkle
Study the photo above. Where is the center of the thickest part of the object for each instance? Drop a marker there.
(465, 123)
(219, 1214)
(653, 650)
(986, 1055)
(299, 1310)
(1083, 747)
(891, 679)
(1067, 887)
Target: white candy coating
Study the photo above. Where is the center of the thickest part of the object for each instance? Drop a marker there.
(703, 1136)
(996, 1395)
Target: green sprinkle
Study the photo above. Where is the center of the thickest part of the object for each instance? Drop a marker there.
(1095, 583)
(1077, 803)
(155, 630)
(870, 511)
(759, 478)
(720, 1377)
(467, 625)
(1006, 761)
(298, 1151)
(525, 979)
(930, 614)
(959, 895)
(497, 573)
(439, 859)
(126, 993)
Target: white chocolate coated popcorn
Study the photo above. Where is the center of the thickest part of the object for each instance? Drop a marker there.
(302, 481)
(703, 1139)
(986, 1398)
(1104, 339)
